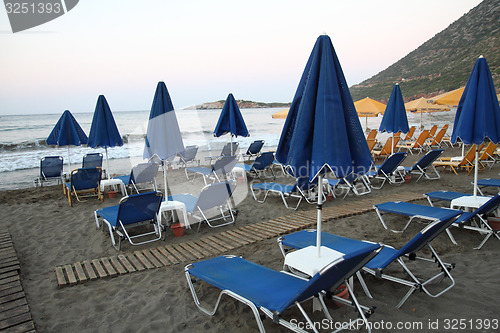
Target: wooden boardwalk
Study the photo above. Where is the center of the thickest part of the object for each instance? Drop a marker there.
(15, 314)
(212, 245)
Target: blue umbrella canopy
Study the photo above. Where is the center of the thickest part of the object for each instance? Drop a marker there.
(103, 131)
(478, 113)
(395, 119)
(163, 137)
(322, 131)
(231, 120)
(67, 132)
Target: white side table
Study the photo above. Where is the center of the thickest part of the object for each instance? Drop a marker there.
(171, 206)
(469, 202)
(306, 260)
(114, 183)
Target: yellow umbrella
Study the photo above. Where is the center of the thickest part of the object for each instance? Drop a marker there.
(281, 114)
(422, 105)
(368, 107)
(451, 98)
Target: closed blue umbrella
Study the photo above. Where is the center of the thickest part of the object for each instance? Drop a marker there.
(478, 113)
(231, 121)
(103, 131)
(67, 132)
(394, 119)
(163, 137)
(322, 131)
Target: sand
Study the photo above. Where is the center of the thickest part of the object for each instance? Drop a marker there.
(47, 233)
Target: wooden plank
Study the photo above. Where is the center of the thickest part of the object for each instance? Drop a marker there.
(13, 304)
(175, 253)
(20, 310)
(9, 279)
(70, 274)
(247, 235)
(90, 270)
(26, 327)
(9, 285)
(206, 248)
(99, 269)
(187, 246)
(152, 258)
(124, 261)
(184, 252)
(118, 266)
(204, 252)
(137, 264)
(13, 321)
(264, 231)
(213, 244)
(159, 256)
(108, 267)
(224, 241)
(167, 254)
(61, 279)
(80, 273)
(143, 260)
(234, 238)
(7, 275)
(12, 297)
(253, 233)
(241, 237)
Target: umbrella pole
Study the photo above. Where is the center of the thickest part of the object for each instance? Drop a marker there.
(107, 162)
(69, 162)
(392, 144)
(320, 207)
(475, 172)
(165, 179)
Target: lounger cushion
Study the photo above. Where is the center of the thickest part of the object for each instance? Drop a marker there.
(446, 195)
(109, 214)
(411, 209)
(188, 200)
(276, 187)
(263, 286)
(200, 170)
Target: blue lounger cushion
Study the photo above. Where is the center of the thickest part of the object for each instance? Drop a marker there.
(274, 187)
(109, 214)
(188, 199)
(411, 209)
(446, 195)
(488, 182)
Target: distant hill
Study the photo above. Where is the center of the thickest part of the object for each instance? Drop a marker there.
(242, 104)
(445, 61)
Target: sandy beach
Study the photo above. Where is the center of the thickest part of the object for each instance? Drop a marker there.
(48, 233)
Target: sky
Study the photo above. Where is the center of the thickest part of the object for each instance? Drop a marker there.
(202, 50)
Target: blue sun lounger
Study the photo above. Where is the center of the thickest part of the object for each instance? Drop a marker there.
(302, 189)
(221, 169)
(388, 170)
(273, 292)
(487, 182)
(443, 196)
(413, 211)
(388, 255)
(476, 220)
(133, 210)
(259, 166)
(423, 165)
(214, 196)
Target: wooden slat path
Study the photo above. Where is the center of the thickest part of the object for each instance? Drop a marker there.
(214, 244)
(15, 314)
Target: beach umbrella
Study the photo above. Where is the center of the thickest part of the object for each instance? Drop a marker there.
(163, 137)
(103, 131)
(368, 107)
(451, 98)
(322, 132)
(478, 113)
(394, 119)
(231, 121)
(67, 132)
(422, 105)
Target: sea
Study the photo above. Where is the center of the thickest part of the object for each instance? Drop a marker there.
(22, 138)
